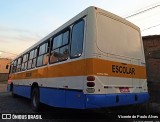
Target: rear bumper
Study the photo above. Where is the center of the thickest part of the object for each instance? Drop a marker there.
(110, 100)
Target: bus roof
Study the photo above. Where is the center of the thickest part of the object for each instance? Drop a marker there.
(77, 17)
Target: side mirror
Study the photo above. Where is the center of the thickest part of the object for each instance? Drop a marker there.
(7, 66)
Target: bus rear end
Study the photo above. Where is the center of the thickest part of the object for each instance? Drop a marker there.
(117, 75)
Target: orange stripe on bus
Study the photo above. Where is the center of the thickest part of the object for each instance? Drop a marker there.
(85, 67)
(105, 67)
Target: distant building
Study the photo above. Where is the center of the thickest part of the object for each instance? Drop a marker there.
(3, 71)
(152, 56)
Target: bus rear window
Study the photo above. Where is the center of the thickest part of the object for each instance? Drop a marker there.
(118, 38)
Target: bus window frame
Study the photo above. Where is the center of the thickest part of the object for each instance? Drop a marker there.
(67, 44)
(34, 57)
(19, 64)
(14, 66)
(26, 61)
(46, 53)
(81, 19)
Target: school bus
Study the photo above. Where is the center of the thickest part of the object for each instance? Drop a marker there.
(94, 60)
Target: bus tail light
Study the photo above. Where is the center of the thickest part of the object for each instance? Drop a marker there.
(90, 84)
(90, 90)
(9, 80)
(90, 78)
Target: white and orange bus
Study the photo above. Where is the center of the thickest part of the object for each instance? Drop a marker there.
(94, 60)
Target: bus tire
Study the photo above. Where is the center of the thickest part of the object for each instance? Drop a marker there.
(13, 94)
(35, 99)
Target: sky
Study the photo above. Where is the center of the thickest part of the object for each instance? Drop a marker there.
(24, 22)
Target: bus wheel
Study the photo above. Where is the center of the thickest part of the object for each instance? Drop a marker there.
(35, 99)
(13, 94)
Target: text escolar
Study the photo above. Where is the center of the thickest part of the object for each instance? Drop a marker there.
(123, 69)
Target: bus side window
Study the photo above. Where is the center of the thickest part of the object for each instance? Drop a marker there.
(77, 39)
(60, 47)
(43, 55)
(31, 54)
(19, 64)
(14, 66)
(46, 55)
(11, 69)
(24, 62)
(34, 58)
(64, 49)
(56, 43)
